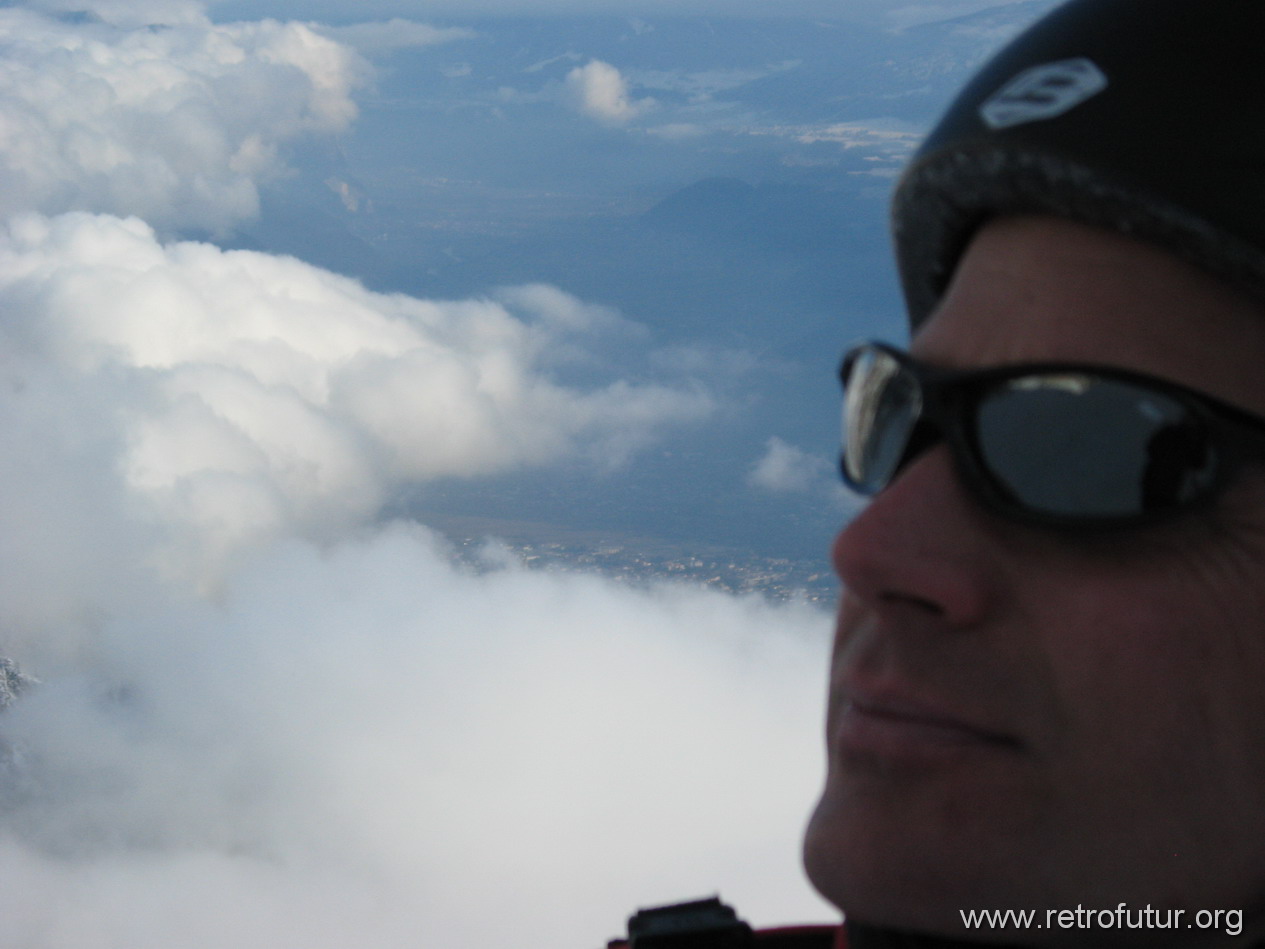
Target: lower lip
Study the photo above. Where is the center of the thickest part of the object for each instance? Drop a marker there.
(873, 733)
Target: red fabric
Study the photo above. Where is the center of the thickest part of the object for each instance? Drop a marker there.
(782, 932)
(771, 937)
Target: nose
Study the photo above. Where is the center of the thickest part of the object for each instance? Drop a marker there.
(921, 542)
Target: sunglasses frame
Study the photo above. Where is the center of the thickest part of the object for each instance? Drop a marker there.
(950, 400)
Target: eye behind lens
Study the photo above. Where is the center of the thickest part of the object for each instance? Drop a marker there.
(1097, 450)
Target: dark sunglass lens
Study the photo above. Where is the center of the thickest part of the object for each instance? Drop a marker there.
(1079, 446)
(881, 404)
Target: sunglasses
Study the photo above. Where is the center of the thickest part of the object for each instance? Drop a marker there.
(1065, 446)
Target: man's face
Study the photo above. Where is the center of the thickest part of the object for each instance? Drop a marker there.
(1021, 718)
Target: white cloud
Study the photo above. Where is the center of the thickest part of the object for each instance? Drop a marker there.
(178, 124)
(392, 34)
(352, 739)
(599, 91)
(368, 746)
(783, 468)
(259, 396)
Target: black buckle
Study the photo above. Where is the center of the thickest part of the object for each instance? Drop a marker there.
(700, 924)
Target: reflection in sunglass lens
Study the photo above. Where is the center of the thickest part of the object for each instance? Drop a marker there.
(1083, 446)
(881, 406)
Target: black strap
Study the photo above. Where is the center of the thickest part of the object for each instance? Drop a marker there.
(710, 924)
(699, 924)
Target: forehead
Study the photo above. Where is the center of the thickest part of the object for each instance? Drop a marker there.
(1040, 289)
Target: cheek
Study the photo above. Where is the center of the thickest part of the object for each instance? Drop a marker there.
(1158, 764)
(1161, 680)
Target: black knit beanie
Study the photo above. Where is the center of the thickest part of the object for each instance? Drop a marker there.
(1143, 116)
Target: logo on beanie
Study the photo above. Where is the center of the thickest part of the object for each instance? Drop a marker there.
(1043, 92)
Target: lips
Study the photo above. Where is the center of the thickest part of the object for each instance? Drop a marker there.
(895, 727)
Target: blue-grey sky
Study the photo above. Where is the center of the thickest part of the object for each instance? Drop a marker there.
(884, 12)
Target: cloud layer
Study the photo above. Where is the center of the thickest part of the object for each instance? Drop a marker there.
(178, 124)
(369, 746)
(265, 717)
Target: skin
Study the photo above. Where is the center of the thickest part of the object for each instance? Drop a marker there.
(1025, 719)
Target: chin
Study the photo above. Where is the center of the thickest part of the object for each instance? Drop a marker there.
(887, 873)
